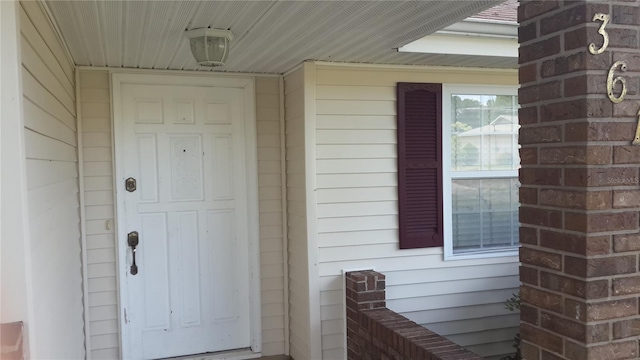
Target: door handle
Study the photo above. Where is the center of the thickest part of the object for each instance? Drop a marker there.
(133, 241)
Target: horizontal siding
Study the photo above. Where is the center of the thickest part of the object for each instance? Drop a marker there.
(46, 124)
(299, 322)
(39, 19)
(37, 94)
(358, 219)
(63, 90)
(99, 211)
(270, 208)
(52, 188)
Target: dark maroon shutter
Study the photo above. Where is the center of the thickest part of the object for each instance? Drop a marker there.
(420, 165)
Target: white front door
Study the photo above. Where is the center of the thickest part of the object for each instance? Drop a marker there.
(184, 146)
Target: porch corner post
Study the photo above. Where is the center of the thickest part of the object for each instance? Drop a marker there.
(16, 300)
(580, 192)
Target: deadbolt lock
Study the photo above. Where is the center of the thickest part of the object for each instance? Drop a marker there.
(130, 184)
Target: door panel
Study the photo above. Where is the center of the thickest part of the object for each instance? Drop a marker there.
(186, 167)
(148, 162)
(185, 147)
(190, 264)
(153, 256)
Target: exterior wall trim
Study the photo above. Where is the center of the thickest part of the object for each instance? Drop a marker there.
(83, 225)
(445, 42)
(315, 331)
(413, 68)
(117, 78)
(174, 72)
(285, 224)
(15, 235)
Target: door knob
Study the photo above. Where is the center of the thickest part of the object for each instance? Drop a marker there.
(133, 240)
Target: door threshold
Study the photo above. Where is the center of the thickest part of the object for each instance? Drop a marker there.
(237, 354)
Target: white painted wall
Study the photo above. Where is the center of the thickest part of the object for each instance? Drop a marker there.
(50, 145)
(357, 220)
(99, 211)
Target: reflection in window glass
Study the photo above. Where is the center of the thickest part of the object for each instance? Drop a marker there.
(484, 132)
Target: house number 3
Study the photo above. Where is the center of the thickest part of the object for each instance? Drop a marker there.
(605, 20)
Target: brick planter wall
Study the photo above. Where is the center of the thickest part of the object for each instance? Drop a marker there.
(580, 193)
(11, 343)
(375, 332)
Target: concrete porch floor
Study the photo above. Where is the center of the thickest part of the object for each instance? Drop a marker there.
(241, 354)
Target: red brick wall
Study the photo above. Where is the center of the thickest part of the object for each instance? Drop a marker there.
(11, 343)
(375, 332)
(580, 193)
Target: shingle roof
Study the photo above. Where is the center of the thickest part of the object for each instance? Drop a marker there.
(507, 11)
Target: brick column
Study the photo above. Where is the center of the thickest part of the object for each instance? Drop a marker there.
(580, 193)
(364, 290)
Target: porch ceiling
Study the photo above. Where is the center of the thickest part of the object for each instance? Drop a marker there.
(269, 36)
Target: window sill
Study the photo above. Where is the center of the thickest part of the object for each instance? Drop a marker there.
(493, 253)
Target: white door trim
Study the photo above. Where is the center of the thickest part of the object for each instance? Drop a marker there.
(247, 85)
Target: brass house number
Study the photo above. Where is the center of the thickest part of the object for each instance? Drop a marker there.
(605, 20)
(611, 81)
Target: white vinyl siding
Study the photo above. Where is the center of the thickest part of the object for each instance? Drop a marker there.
(358, 221)
(99, 214)
(49, 107)
(99, 211)
(296, 214)
(270, 208)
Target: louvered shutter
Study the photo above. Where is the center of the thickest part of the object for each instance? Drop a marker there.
(420, 164)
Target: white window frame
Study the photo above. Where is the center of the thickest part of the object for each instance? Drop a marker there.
(447, 91)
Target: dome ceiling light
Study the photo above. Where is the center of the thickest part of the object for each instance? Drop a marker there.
(210, 47)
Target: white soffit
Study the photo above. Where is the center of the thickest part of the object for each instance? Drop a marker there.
(270, 36)
(471, 37)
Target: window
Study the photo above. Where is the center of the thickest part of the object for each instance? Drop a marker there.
(480, 170)
(457, 168)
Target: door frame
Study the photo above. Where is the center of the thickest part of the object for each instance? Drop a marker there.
(247, 85)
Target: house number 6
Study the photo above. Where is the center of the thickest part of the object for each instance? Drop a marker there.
(605, 20)
(611, 82)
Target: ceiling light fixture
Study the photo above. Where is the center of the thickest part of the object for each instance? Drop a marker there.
(210, 47)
